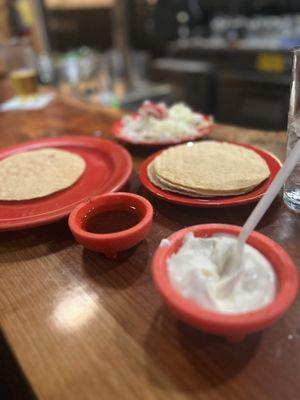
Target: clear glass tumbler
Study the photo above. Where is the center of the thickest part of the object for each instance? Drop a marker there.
(20, 65)
(291, 193)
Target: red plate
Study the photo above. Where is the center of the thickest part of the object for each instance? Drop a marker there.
(274, 166)
(117, 132)
(108, 167)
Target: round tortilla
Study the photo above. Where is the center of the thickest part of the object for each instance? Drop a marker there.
(38, 173)
(208, 169)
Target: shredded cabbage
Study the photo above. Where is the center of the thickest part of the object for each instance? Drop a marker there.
(181, 122)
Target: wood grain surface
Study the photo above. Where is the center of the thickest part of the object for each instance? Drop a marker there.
(84, 327)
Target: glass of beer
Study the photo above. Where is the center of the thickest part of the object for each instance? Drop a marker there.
(21, 67)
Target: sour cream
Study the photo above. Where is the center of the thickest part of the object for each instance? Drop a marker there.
(201, 270)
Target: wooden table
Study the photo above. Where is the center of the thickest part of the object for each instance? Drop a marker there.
(84, 327)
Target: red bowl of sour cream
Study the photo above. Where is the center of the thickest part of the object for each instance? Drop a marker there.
(233, 326)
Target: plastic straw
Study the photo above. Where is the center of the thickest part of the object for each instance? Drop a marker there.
(269, 196)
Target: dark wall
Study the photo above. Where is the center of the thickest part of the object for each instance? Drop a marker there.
(154, 26)
(74, 28)
(248, 7)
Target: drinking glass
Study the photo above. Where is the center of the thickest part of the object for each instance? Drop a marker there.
(291, 193)
(19, 60)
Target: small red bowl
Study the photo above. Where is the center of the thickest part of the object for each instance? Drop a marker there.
(111, 243)
(233, 327)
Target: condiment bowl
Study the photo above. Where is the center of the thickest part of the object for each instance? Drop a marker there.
(111, 243)
(233, 326)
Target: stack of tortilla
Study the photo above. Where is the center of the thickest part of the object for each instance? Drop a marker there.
(208, 169)
(38, 173)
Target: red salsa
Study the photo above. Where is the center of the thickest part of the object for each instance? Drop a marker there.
(112, 221)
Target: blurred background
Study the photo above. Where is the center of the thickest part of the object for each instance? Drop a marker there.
(227, 58)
